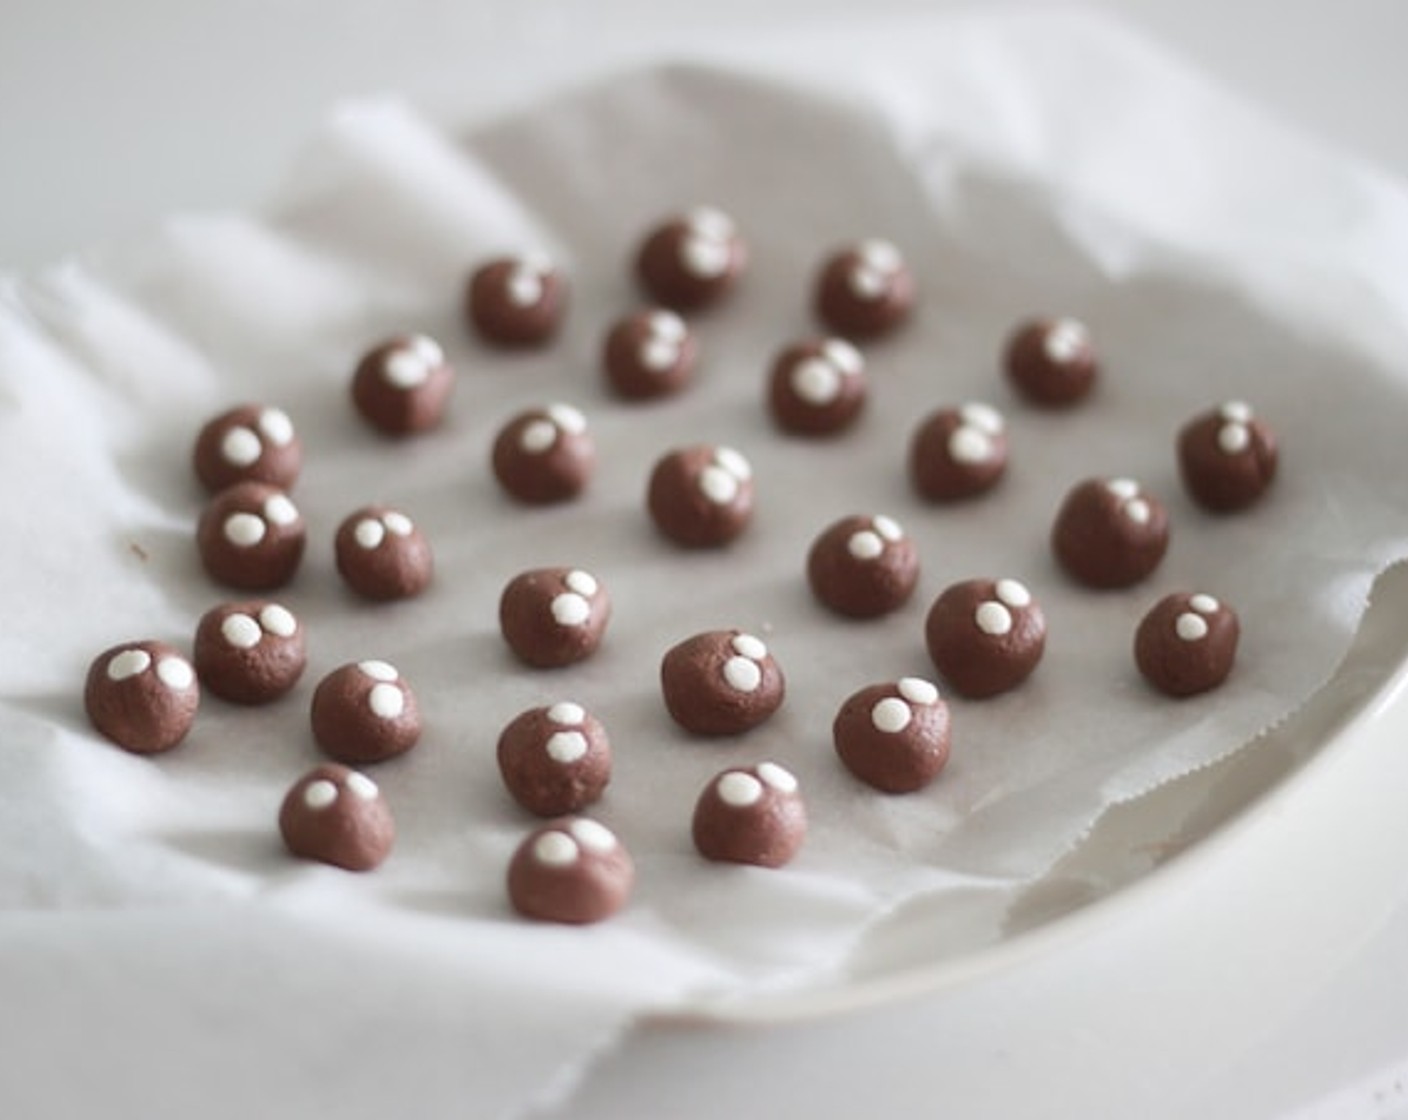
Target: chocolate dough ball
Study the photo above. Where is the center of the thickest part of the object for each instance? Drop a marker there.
(894, 737)
(251, 443)
(1110, 533)
(516, 301)
(365, 712)
(721, 682)
(402, 386)
(383, 555)
(958, 453)
(572, 870)
(1187, 643)
(1226, 457)
(551, 617)
(250, 652)
(752, 814)
(864, 291)
(1051, 362)
(985, 636)
(863, 567)
(337, 816)
(251, 536)
(142, 695)
(693, 260)
(701, 496)
(649, 354)
(555, 760)
(817, 388)
(545, 455)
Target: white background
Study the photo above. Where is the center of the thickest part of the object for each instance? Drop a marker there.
(1206, 998)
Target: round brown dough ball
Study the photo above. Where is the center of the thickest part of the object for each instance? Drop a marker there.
(337, 816)
(817, 388)
(365, 712)
(251, 536)
(752, 814)
(1187, 643)
(516, 301)
(701, 496)
(551, 617)
(555, 760)
(251, 443)
(1226, 458)
(894, 736)
(1051, 362)
(864, 291)
(545, 455)
(142, 695)
(985, 636)
(1110, 533)
(721, 682)
(649, 354)
(692, 261)
(958, 453)
(402, 386)
(382, 554)
(573, 870)
(250, 652)
(863, 567)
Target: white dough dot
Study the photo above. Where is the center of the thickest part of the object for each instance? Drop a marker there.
(890, 715)
(1065, 341)
(555, 849)
(709, 222)
(865, 545)
(993, 618)
(537, 436)
(570, 609)
(748, 646)
(778, 777)
(319, 794)
(867, 283)
(276, 426)
(279, 510)
(1203, 603)
(1236, 412)
(128, 663)
(567, 714)
(583, 583)
(657, 354)
(361, 786)
(668, 326)
(982, 416)
(704, 257)
(1123, 488)
(241, 447)
(844, 356)
(917, 690)
(879, 254)
(1012, 592)
(397, 523)
(593, 835)
(718, 485)
(816, 381)
(733, 462)
(1138, 511)
(739, 790)
(1190, 627)
(278, 620)
(405, 368)
(378, 670)
(523, 286)
(386, 701)
(567, 417)
(969, 445)
(888, 528)
(566, 746)
(244, 530)
(429, 350)
(743, 674)
(369, 533)
(1233, 438)
(175, 673)
(241, 631)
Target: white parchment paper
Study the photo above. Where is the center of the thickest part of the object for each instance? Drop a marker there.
(1041, 164)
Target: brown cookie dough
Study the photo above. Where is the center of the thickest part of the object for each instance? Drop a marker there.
(545, 455)
(752, 814)
(337, 816)
(958, 453)
(251, 536)
(649, 354)
(383, 555)
(1226, 458)
(864, 291)
(142, 695)
(701, 496)
(1051, 362)
(555, 760)
(516, 301)
(985, 636)
(693, 260)
(551, 617)
(573, 870)
(251, 443)
(402, 386)
(365, 712)
(1110, 533)
(250, 652)
(817, 388)
(1187, 643)
(863, 567)
(894, 736)
(721, 682)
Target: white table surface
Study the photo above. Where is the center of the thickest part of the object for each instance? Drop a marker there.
(1234, 988)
